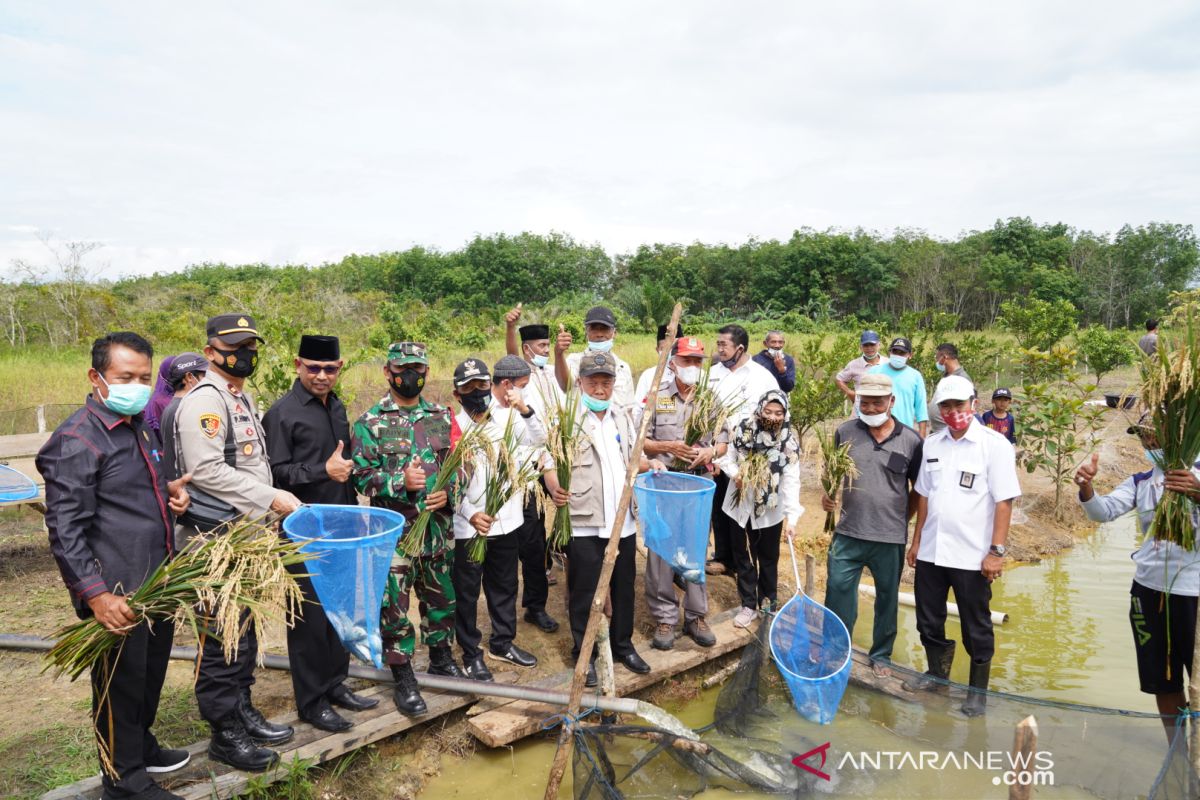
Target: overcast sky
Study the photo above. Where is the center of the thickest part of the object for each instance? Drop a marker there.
(298, 132)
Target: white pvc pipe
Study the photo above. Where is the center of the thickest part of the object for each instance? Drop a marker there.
(906, 599)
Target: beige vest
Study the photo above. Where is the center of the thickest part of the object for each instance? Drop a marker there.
(587, 478)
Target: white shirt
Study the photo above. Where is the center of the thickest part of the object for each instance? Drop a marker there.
(623, 387)
(789, 495)
(644, 384)
(606, 439)
(1158, 565)
(746, 384)
(543, 391)
(530, 434)
(964, 479)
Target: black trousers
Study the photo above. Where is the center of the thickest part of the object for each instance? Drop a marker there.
(218, 685)
(972, 593)
(531, 541)
(498, 576)
(585, 557)
(756, 562)
(126, 686)
(723, 528)
(317, 657)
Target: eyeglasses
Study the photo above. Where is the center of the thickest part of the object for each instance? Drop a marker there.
(328, 369)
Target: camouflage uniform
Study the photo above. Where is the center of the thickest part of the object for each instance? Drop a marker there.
(386, 438)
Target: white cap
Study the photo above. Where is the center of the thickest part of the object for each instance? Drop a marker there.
(953, 387)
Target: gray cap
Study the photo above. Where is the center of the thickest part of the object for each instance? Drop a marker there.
(510, 367)
(593, 363)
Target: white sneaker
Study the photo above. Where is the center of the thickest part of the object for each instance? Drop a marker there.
(745, 617)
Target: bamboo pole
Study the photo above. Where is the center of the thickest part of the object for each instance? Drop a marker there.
(1193, 707)
(810, 574)
(566, 737)
(1024, 746)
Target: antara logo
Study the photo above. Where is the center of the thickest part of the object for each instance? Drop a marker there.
(823, 751)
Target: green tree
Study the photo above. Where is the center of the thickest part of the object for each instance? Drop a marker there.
(1104, 350)
(1038, 324)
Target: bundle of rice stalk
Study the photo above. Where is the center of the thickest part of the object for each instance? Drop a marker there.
(565, 440)
(471, 442)
(837, 471)
(511, 470)
(754, 473)
(710, 411)
(1171, 392)
(244, 567)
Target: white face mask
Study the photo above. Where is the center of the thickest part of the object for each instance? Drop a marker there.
(687, 375)
(874, 420)
(774, 352)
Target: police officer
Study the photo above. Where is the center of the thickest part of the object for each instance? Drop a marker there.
(399, 445)
(669, 411)
(308, 441)
(221, 443)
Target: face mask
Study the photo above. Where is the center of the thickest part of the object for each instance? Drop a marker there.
(408, 383)
(541, 361)
(476, 402)
(872, 358)
(731, 363)
(596, 405)
(601, 347)
(239, 363)
(1155, 457)
(940, 367)
(957, 420)
(898, 362)
(874, 420)
(770, 425)
(688, 375)
(126, 399)
(773, 352)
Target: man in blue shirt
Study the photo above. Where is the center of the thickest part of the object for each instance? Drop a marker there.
(781, 366)
(908, 387)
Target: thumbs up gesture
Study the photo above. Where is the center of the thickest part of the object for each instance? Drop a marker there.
(1085, 474)
(414, 475)
(564, 340)
(338, 466)
(514, 316)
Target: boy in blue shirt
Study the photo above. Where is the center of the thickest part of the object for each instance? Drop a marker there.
(999, 418)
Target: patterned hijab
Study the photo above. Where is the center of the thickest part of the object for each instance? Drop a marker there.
(780, 447)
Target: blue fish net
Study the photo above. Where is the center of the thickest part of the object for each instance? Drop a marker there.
(675, 509)
(15, 485)
(811, 647)
(354, 547)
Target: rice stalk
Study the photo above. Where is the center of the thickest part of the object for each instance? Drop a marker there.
(754, 474)
(709, 413)
(838, 472)
(511, 470)
(565, 440)
(468, 444)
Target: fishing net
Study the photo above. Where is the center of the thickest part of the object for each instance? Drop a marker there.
(811, 647)
(674, 509)
(15, 485)
(355, 546)
(885, 742)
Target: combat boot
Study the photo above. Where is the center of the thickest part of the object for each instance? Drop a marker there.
(260, 729)
(940, 660)
(976, 703)
(232, 745)
(441, 662)
(406, 694)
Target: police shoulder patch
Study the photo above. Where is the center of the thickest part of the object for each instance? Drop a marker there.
(210, 424)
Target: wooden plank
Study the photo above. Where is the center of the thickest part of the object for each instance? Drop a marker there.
(21, 444)
(202, 778)
(862, 675)
(517, 719)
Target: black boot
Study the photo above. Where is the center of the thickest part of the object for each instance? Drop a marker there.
(976, 703)
(232, 745)
(406, 695)
(940, 661)
(441, 662)
(257, 726)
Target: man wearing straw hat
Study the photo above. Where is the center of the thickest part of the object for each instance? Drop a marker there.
(669, 411)
(876, 507)
(308, 441)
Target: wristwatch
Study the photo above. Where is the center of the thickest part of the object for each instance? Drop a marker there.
(998, 550)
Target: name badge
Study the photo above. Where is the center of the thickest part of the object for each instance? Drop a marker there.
(665, 405)
(966, 480)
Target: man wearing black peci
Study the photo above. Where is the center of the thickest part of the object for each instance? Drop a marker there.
(308, 440)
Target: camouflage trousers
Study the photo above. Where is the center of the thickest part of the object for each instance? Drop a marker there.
(429, 575)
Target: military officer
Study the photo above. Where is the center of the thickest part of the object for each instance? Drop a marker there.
(221, 442)
(399, 445)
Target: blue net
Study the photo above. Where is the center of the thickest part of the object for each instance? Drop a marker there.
(354, 547)
(675, 509)
(811, 647)
(15, 485)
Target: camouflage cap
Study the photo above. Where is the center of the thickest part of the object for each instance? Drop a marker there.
(401, 353)
(593, 363)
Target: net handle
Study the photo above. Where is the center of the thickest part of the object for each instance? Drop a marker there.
(795, 569)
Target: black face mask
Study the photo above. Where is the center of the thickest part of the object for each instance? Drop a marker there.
(731, 363)
(476, 402)
(408, 383)
(239, 363)
(771, 426)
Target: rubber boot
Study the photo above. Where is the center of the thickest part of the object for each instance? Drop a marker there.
(940, 660)
(260, 729)
(441, 662)
(976, 703)
(233, 746)
(406, 694)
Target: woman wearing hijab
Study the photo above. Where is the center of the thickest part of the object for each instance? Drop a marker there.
(163, 392)
(766, 512)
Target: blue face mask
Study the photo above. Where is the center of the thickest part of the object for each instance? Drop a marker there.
(898, 362)
(596, 405)
(940, 367)
(601, 347)
(541, 361)
(126, 399)
(1155, 457)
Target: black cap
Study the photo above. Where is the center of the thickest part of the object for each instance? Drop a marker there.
(233, 329)
(473, 369)
(319, 348)
(531, 333)
(662, 332)
(900, 343)
(184, 364)
(599, 315)
(1002, 393)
